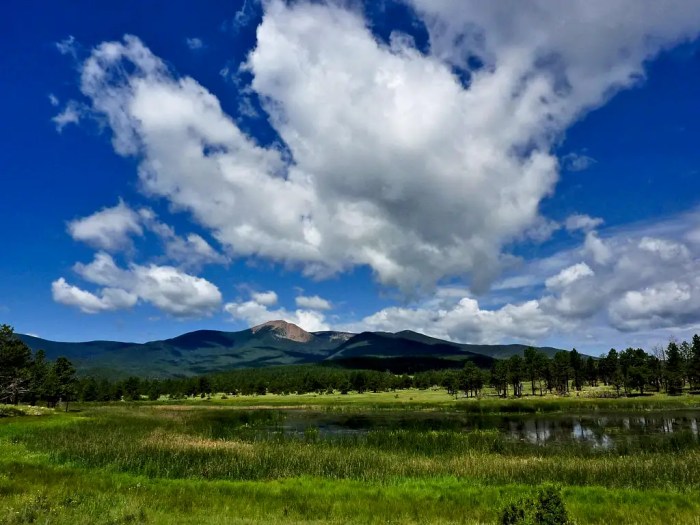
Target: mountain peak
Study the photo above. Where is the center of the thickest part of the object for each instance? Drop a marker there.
(285, 330)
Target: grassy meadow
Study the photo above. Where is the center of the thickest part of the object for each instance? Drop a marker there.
(234, 461)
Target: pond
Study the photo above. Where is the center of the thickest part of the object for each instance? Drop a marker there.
(595, 430)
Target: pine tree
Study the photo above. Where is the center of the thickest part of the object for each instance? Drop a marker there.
(674, 369)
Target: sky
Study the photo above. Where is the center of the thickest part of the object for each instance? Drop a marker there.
(485, 172)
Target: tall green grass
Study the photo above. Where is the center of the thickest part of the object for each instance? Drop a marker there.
(242, 446)
(222, 464)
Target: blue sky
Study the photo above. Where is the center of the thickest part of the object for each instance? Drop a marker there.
(513, 172)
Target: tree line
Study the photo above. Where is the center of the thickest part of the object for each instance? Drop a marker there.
(27, 376)
(671, 369)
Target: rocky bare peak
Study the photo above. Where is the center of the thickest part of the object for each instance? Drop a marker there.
(285, 330)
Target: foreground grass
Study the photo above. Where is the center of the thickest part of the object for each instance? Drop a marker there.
(217, 462)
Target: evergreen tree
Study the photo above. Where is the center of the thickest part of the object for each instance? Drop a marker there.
(694, 365)
(63, 380)
(15, 365)
(516, 369)
(674, 373)
(38, 373)
(592, 371)
(499, 378)
(561, 371)
(531, 370)
(577, 369)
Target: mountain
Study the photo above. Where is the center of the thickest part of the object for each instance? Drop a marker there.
(272, 343)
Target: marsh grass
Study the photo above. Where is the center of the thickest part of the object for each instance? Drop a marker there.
(239, 446)
(224, 462)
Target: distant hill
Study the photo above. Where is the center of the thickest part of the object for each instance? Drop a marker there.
(268, 344)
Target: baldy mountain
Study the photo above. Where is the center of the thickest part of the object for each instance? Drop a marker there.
(268, 344)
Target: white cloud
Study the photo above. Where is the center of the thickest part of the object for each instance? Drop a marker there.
(108, 229)
(569, 275)
(577, 162)
(582, 222)
(104, 272)
(313, 302)
(191, 251)
(242, 17)
(636, 278)
(167, 288)
(194, 43)
(665, 249)
(257, 311)
(67, 46)
(401, 166)
(176, 292)
(649, 281)
(397, 165)
(53, 100)
(598, 250)
(109, 298)
(111, 229)
(466, 322)
(664, 304)
(71, 114)
(268, 298)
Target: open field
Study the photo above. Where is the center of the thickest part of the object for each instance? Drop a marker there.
(278, 459)
(589, 399)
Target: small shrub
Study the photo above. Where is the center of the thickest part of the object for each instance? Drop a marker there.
(545, 508)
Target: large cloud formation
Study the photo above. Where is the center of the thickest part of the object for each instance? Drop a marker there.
(422, 166)
(165, 287)
(638, 279)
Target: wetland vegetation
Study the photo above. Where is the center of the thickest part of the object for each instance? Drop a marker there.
(449, 446)
(408, 457)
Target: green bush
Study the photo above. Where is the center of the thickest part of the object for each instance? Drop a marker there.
(545, 508)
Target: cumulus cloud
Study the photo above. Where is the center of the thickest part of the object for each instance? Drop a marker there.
(268, 298)
(466, 322)
(165, 287)
(313, 302)
(111, 229)
(176, 292)
(639, 279)
(257, 310)
(597, 249)
(191, 251)
(398, 163)
(665, 304)
(581, 222)
(636, 280)
(420, 165)
(109, 298)
(108, 229)
(569, 275)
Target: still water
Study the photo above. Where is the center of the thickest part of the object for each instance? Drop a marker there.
(593, 430)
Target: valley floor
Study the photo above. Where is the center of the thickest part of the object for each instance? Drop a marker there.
(421, 457)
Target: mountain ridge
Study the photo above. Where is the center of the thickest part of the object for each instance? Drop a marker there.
(272, 343)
